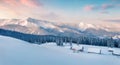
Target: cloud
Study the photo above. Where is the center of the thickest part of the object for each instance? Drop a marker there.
(107, 6)
(28, 3)
(31, 3)
(102, 7)
(10, 2)
(21, 8)
(51, 16)
(114, 20)
(89, 8)
(104, 12)
(118, 5)
(2, 8)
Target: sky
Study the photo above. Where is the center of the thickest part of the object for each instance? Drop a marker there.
(72, 11)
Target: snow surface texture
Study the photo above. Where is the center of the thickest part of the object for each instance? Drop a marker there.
(17, 52)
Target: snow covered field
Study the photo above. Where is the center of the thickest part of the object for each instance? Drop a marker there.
(17, 52)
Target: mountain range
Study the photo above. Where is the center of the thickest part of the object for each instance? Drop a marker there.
(43, 27)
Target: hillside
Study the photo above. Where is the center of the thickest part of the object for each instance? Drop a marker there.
(16, 52)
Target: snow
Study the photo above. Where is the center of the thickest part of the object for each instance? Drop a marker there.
(17, 52)
(116, 37)
(47, 25)
(110, 49)
(77, 47)
(94, 50)
(84, 26)
(116, 52)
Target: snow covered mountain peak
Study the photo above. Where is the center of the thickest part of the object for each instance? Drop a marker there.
(21, 22)
(43, 27)
(84, 26)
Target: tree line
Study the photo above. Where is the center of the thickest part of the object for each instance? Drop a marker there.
(61, 40)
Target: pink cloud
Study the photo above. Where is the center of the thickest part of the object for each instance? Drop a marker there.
(31, 3)
(89, 8)
(11, 2)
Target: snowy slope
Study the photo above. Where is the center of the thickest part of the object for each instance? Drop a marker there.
(16, 52)
(84, 26)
